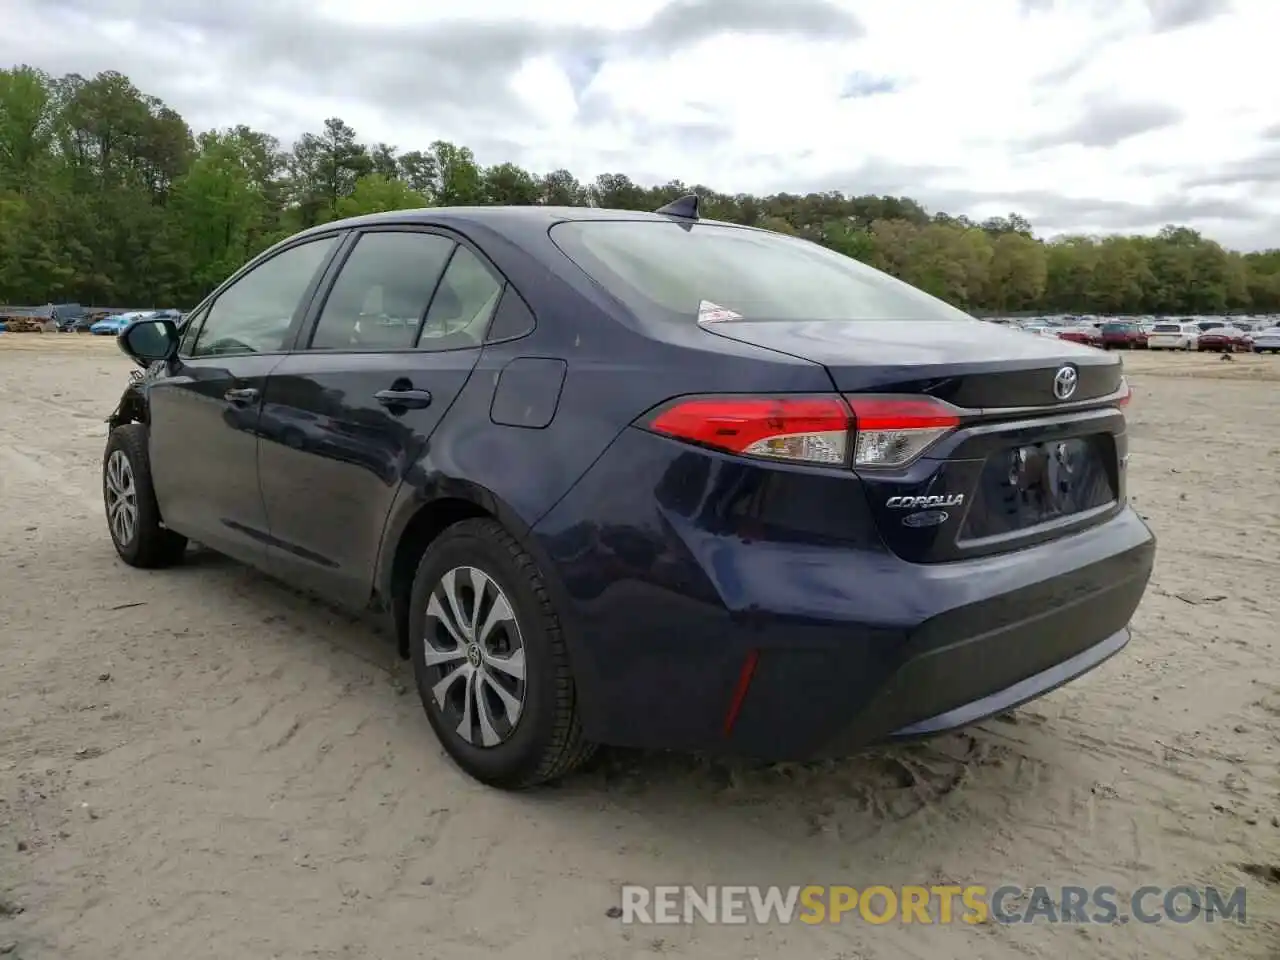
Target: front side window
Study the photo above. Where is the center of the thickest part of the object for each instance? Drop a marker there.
(666, 270)
(255, 313)
(382, 293)
(462, 306)
(190, 329)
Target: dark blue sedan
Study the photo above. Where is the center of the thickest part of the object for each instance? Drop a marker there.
(642, 479)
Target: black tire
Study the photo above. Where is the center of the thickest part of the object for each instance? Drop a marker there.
(546, 741)
(149, 544)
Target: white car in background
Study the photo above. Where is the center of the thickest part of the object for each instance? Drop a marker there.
(1173, 336)
(1267, 341)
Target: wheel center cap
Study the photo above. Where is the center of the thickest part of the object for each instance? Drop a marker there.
(473, 654)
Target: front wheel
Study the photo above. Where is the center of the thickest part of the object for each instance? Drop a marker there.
(490, 659)
(133, 517)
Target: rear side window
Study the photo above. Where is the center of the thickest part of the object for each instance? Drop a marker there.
(666, 270)
(463, 305)
(380, 296)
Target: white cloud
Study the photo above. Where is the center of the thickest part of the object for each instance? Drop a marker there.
(970, 107)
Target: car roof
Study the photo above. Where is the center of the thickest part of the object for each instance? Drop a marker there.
(508, 219)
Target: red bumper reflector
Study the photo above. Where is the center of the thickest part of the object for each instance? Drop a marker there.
(740, 691)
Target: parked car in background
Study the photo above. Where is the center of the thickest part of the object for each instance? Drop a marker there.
(1173, 336)
(642, 479)
(68, 316)
(112, 325)
(1086, 334)
(1222, 339)
(1123, 335)
(1267, 340)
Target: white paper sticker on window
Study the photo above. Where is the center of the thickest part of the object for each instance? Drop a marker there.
(709, 312)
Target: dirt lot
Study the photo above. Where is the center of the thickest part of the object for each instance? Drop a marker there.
(199, 763)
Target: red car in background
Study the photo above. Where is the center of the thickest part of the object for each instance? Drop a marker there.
(1089, 336)
(1123, 336)
(1223, 340)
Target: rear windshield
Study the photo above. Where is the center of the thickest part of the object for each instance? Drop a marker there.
(667, 270)
(1166, 328)
(1117, 327)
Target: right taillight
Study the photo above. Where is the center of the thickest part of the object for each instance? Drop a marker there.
(1126, 393)
(854, 430)
(894, 431)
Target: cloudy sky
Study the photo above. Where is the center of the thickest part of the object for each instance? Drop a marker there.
(1091, 115)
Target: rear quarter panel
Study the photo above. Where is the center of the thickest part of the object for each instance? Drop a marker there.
(615, 370)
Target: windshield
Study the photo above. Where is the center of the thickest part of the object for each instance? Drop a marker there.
(668, 269)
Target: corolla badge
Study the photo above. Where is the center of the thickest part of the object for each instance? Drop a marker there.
(1065, 382)
(925, 518)
(908, 503)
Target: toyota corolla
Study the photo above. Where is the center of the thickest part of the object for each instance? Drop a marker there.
(642, 479)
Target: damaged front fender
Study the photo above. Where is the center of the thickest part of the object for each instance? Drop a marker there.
(132, 407)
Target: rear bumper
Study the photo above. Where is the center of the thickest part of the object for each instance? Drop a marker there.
(668, 588)
(1020, 692)
(959, 665)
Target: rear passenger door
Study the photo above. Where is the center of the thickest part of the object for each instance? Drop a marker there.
(382, 358)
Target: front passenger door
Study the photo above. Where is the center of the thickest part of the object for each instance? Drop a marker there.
(205, 406)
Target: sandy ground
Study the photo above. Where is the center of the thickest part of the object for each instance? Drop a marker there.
(198, 763)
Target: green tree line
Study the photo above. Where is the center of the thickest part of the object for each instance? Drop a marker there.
(108, 197)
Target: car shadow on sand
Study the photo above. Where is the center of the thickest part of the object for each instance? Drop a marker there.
(948, 793)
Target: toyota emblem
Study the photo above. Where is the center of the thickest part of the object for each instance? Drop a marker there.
(1065, 382)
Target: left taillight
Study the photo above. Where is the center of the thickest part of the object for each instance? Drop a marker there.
(797, 429)
(855, 430)
(895, 431)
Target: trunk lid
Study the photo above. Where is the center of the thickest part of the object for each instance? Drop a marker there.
(971, 364)
(1023, 466)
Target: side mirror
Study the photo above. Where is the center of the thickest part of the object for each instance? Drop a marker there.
(147, 341)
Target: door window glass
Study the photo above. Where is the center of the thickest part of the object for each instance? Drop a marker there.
(462, 306)
(190, 328)
(254, 314)
(379, 298)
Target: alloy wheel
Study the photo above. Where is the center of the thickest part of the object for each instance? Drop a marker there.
(122, 497)
(475, 650)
